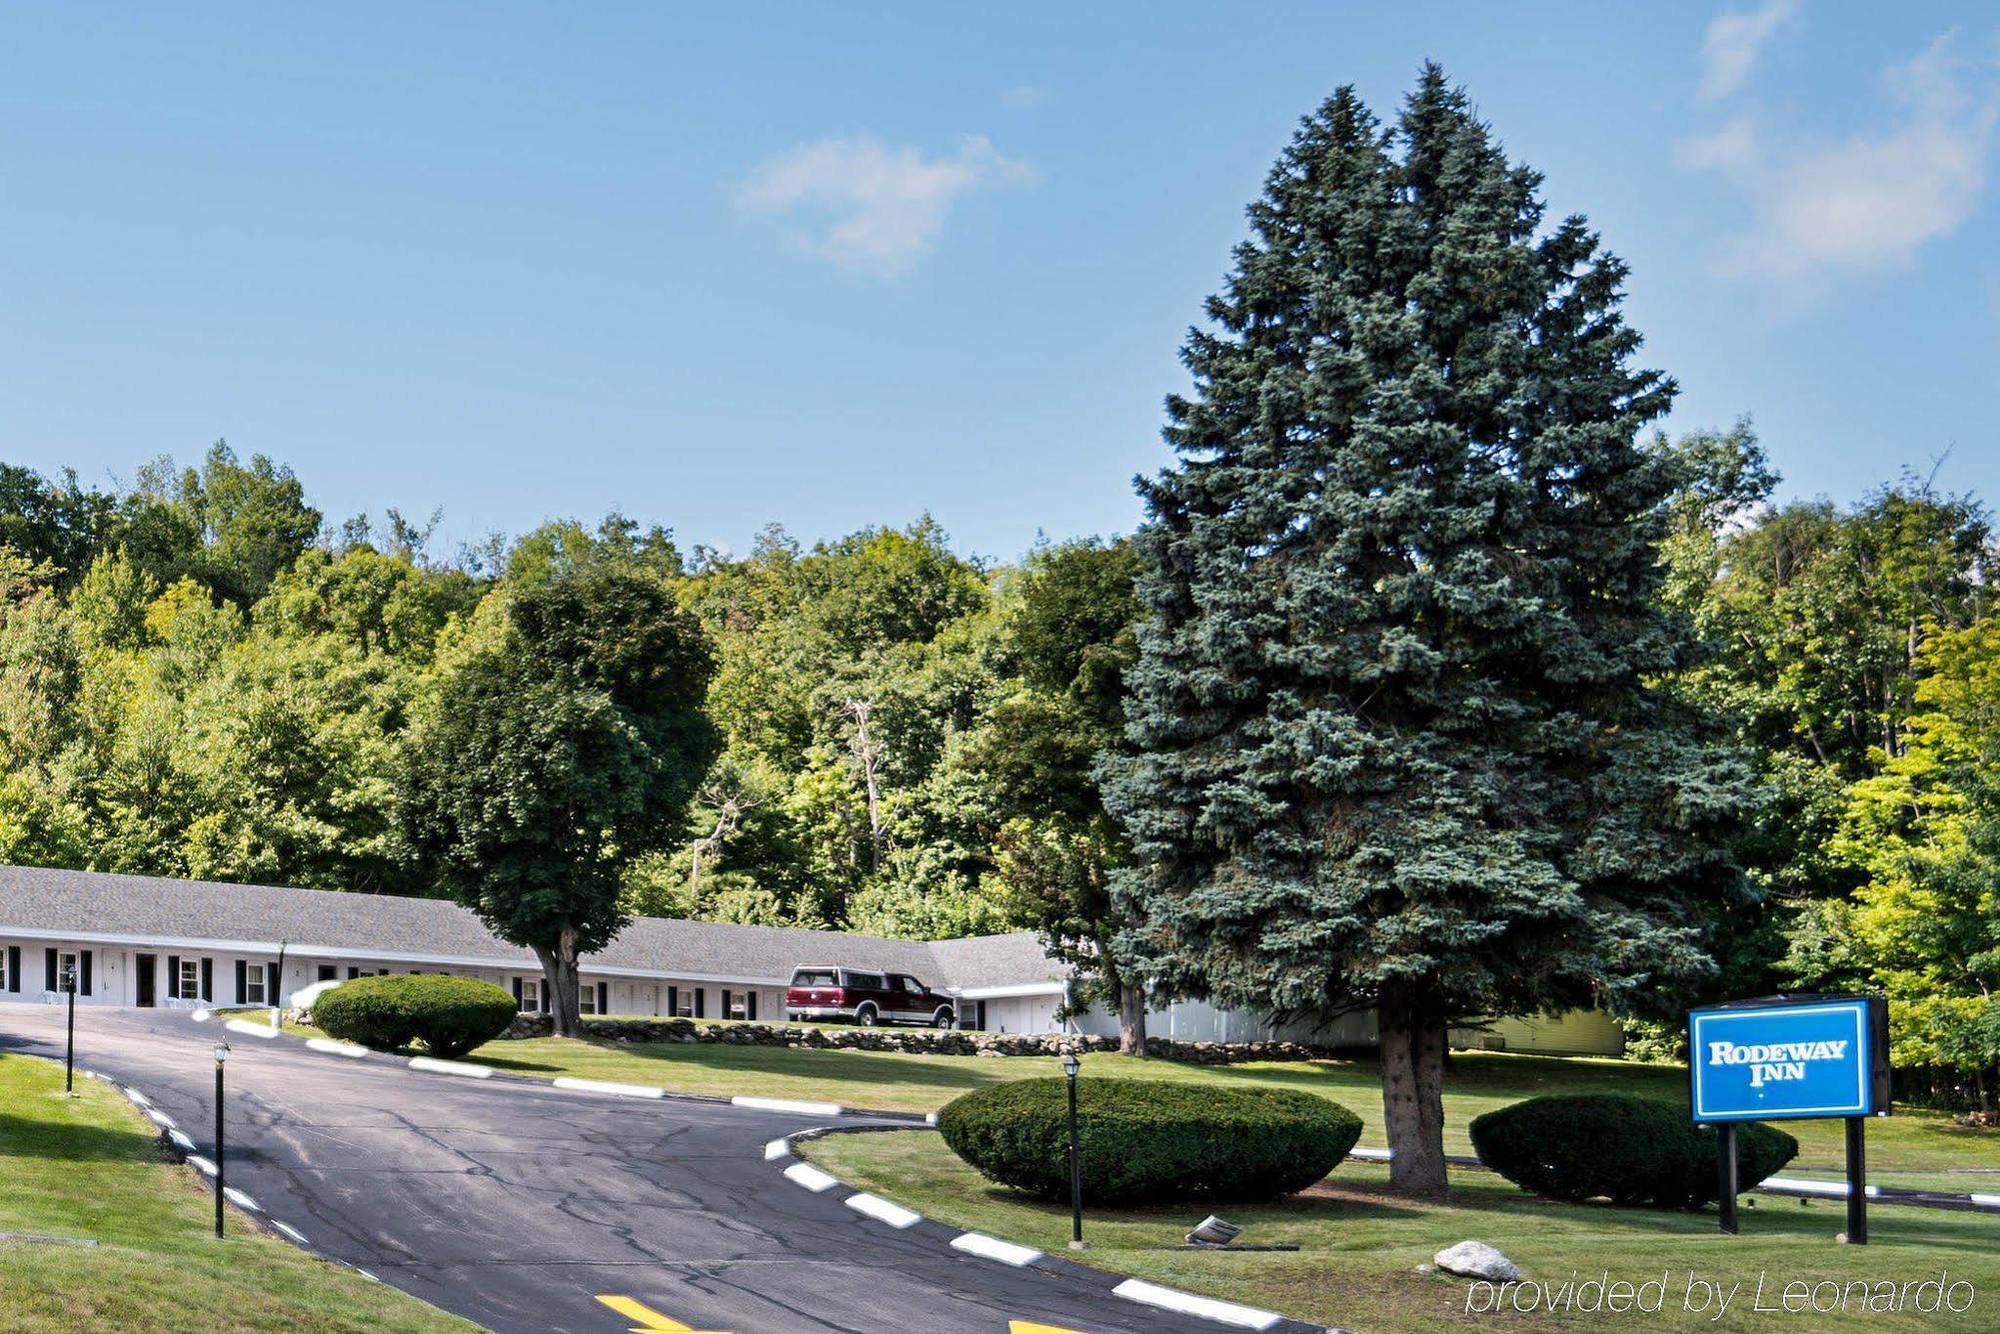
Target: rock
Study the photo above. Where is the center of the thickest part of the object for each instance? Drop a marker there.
(1476, 1259)
(1426, 1268)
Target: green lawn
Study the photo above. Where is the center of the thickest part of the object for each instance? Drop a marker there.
(1916, 1149)
(90, 1167)
(1360, 1245)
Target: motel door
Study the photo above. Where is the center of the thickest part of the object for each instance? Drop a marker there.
(145, 963)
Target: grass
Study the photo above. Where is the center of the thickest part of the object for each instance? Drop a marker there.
(90, 1167)
(1917, 1149)
(1360, 1245)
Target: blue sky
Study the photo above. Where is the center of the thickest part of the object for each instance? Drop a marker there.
(839, 265)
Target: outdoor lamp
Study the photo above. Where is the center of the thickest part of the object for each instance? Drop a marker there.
(1213, 1231)
(1070, 1066)
(221, 1055)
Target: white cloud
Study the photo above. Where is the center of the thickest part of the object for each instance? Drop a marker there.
(1869, 201)
(1730, 47)
(881, 207)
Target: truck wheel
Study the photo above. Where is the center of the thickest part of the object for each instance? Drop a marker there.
(865, 1016)
(943, 1018)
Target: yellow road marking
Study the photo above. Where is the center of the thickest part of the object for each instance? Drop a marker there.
(1030, 1327)
(650, 1321)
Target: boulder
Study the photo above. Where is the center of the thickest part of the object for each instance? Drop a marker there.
(1476, 1259)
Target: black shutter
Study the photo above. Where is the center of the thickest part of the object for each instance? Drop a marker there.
(52, 969)
(242, 979)
(700, 999)
(86, 972)
(13, 968)
(673, 1000)
(604, 998)
(517, 993)
(173, 977)
(725, 1004)
(750, 1000)
(352, 972)
(271, 984)
(208, 979)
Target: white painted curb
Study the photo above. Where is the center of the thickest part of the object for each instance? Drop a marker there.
(788, 1105)
(1370, 1155)
(159, 1118)
(1228, 1313)
(291, 1232)
(1808, 1186)
(885, 1211)
(239, 1199)
(438, 1067)
(250, 1030)
(607, 1086)
(992, 1248)
(814, 1180)
(776, 1149)
(333, 1048)
(201, 1165)
(137, 1099)
(1985, 1201)
(181, 1141)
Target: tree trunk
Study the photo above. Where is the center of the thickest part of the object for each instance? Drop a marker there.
(1412, 1094)
(1131, 1018)
(560, 979)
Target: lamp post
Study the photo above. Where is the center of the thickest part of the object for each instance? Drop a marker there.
(278, 1005)
(69, 1046)
(221, 1055)
(1076, 1243)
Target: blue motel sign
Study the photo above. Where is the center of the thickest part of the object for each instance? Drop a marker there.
(1785, 1060)
(1791, 1058)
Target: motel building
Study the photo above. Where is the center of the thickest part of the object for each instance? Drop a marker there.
(189, 944)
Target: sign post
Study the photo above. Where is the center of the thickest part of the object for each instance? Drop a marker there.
(1791, 1058)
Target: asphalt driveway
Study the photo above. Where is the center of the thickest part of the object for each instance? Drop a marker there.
(521, 1207)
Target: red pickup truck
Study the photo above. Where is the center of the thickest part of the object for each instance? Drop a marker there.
(853, 996)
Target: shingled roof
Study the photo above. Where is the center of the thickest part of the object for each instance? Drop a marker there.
(97, 905)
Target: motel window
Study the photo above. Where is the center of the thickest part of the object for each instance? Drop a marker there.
(328, 972)
(531, 995)
(253, 986)
(190, 977)
(65, 972)
(738, 1005)
(6, 979)
(586, 997)
(683, 998)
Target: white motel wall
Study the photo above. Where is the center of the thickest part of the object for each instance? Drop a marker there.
(178, 944)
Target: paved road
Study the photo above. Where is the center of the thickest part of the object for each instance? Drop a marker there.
(517, 1206)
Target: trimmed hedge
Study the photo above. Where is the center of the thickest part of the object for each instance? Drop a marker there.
(449, 1015)
(1629, 1149)
(1150, 1142)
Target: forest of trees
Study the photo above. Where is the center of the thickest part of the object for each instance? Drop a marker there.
(201, 676)
(1429, 680)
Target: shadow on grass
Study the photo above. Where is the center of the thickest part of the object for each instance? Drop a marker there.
(62, 1141)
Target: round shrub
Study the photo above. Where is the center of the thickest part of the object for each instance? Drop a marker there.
(1146, 1142)
(449, 1015)
(1630, 1150)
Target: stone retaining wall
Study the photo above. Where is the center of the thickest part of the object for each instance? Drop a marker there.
(931, 1041)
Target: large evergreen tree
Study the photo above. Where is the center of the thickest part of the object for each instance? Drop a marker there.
(1397, 741)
